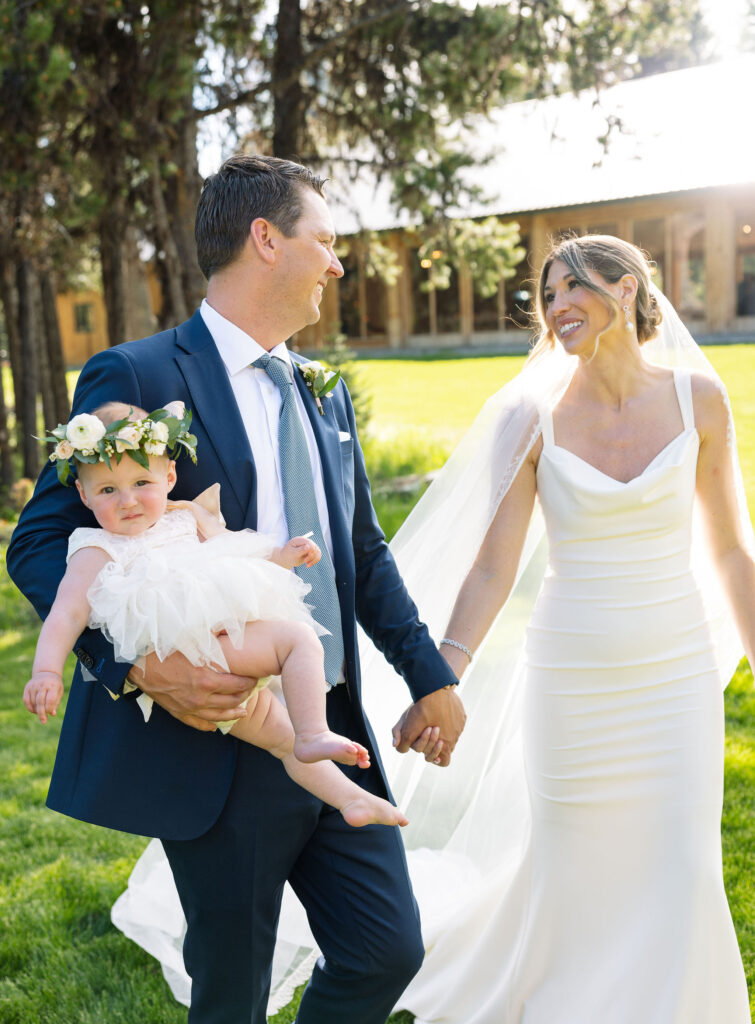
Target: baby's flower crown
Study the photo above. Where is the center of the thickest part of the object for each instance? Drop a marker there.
(85, 438)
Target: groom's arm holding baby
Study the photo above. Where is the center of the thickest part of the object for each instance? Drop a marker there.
(433, 723)
(36, 563)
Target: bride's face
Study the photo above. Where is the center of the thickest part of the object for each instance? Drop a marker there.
(574, 314)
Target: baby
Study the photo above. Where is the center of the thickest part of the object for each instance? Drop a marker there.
(167, 576)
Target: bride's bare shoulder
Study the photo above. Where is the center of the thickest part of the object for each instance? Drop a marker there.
(710, 403)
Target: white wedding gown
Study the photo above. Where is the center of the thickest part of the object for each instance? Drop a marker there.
(616, 912)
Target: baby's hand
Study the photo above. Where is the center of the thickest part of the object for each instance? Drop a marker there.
(42, 694)
(298, 551)
(207, 524)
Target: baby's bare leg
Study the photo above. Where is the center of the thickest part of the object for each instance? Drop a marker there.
(268, 726)
(293, 651)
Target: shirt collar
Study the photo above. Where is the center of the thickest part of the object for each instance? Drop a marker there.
(237, 348)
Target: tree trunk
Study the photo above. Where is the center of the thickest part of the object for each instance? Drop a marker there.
(362, 292)
(7, 473)
(181, 194)
(111, 230)
(29, 372)
(55, 356)
(49, 412)
(175, 295)
(164, 321)
(287, 104)
(10, 317)
(140, 319)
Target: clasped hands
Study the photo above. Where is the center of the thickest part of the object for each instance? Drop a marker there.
(431, 726)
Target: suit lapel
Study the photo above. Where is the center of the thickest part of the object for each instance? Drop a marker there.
(214, 405)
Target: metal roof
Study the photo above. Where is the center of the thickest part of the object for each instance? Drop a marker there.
(674, 132)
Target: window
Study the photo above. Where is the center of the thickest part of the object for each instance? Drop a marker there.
(82, 318)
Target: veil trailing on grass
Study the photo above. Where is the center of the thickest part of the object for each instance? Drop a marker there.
(472, 819)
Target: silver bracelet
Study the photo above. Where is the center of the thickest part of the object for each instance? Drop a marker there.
(455, 643)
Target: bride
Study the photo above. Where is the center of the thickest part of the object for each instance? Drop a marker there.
(615, 911)
(568, 866)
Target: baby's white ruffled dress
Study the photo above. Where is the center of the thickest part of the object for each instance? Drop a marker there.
(166, 591)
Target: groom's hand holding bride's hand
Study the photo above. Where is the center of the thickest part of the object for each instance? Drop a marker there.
(198, 697)
(431, 726)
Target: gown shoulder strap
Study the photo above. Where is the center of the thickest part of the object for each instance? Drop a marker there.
(683, 384)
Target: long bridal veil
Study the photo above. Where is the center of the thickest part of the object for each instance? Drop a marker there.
(470, 821)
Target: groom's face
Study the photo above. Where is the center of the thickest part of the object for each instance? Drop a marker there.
(307, 261)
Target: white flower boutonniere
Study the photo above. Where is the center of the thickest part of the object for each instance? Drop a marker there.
(319, 380)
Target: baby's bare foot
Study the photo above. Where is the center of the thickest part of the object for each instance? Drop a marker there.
(372, 810)
(329, 746)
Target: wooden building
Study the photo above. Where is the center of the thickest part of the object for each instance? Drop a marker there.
(83, 325)
(676, 175)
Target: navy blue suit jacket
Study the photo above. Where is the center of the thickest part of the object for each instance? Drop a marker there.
(163, 778)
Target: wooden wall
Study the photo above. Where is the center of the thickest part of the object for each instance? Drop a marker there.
(83, 325)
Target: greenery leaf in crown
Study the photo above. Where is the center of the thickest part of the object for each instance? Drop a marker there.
(85, 438)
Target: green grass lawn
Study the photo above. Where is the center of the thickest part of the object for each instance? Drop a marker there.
(61, 961)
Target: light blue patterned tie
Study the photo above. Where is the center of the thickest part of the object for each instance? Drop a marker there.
(300, 505)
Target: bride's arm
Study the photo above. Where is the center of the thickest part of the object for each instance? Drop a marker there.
(491, 578)
(717, 494)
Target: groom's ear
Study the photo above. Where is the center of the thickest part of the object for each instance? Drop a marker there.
(263, 238)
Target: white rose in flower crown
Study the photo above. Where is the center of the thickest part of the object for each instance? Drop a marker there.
(176, 409)
(154, 447)
(128, 438)
(63, 450)
(84, 431)
(158, 432)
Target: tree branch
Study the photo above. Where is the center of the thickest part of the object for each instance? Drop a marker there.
(311, 57)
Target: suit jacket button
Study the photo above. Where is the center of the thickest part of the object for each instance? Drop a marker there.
(86, 659)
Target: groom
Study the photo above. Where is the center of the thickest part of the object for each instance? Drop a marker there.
(233, 825)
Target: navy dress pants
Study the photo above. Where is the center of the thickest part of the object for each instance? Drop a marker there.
(353, 883)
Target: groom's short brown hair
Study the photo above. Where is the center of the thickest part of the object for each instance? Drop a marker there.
(247, 187)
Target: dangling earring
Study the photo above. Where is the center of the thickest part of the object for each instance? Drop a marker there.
(627, 318)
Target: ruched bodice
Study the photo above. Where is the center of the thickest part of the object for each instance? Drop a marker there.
(619, 549)
(640, 528)
(592, 518)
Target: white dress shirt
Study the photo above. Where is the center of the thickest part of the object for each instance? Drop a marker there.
(259, 403)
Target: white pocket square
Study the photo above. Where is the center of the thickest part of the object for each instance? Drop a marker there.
(343, 435)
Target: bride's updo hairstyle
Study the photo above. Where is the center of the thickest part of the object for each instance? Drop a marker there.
(612, 258)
